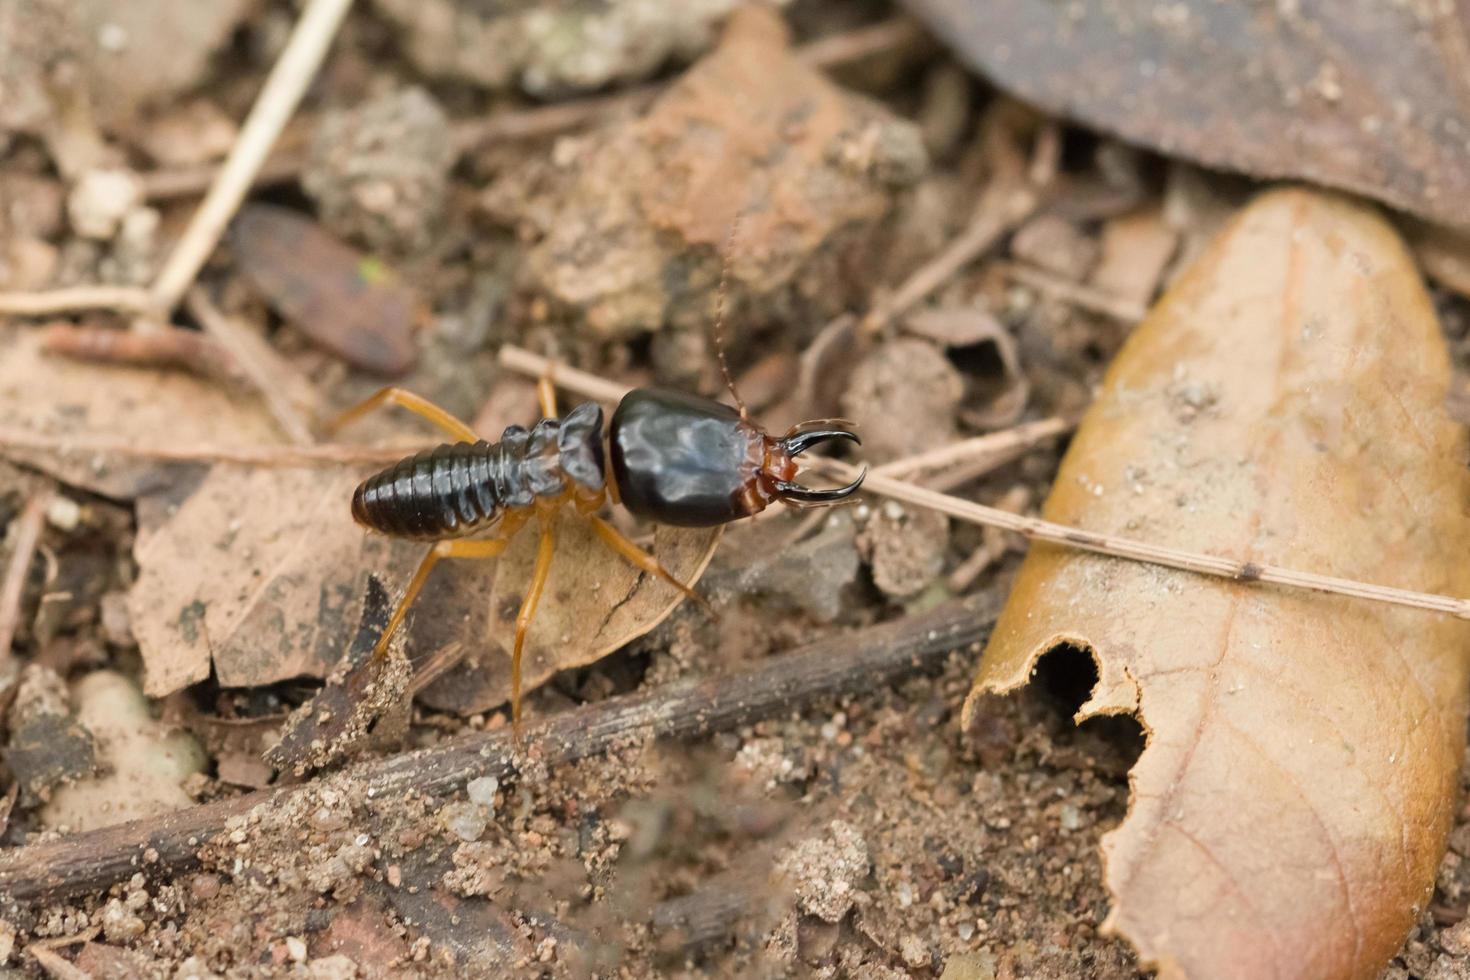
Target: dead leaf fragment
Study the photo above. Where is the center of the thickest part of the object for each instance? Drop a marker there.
(1356, 94)
(595, 602)
(345, 301)
(260, 574)
(51, 395)
(1281, 404)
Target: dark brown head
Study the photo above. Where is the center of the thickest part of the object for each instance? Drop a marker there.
(689, 461)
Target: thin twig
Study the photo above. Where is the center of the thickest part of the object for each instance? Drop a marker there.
(27, 535)
(188, 350)
(1004, 442)
(1036, 529)
(849, 663)
(283, 89)
(1081, 296)
(25, 440)
(124, 299)
(259, 362)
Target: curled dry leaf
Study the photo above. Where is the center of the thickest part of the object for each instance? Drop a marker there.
(345, 301)
(261, 573)
(1357, 94)
(1282, 404)
(52, 395)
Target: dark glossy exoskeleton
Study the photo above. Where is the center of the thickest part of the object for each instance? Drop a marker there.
(669, 457)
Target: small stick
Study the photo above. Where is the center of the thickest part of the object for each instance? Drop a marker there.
(24, 440)
(278, 98)
(259, 362)
(28, 527)
(171, 347)
(1005, 442)
(124, 299)
(1078, 295)
(845, 664)
(1035, 529)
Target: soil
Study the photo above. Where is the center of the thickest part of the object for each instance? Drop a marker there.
(867, 837)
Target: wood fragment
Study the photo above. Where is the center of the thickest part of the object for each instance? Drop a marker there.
(848, 663)
(185, 349)
(1083, 297)
(28, 526)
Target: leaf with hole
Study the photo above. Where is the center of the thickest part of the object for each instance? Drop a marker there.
(1282, 404)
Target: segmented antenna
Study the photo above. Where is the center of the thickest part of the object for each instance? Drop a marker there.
(720, 314)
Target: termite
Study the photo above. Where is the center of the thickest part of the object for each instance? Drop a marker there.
(667, 456)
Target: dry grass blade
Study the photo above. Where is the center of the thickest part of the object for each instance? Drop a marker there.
(26, 535)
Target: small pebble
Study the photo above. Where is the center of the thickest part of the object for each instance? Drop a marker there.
(467, 821)
(483, 790)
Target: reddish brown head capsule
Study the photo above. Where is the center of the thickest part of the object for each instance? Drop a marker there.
(689, 461)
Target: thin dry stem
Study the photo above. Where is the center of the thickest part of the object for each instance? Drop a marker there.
(1035, 529)
(1078, 295)
(188, 350)
(278, 99)
(21, 440)
(123, 299)
(258, 361)
(28, 527)
(1005, 442)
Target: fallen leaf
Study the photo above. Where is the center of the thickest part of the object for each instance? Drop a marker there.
(1281, 404)
(595, 602)
(55, 397)
(260, 573)
(345, 301)
(1357, 94)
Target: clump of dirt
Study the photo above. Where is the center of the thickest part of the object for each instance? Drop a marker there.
(379, 172)
(629, 222)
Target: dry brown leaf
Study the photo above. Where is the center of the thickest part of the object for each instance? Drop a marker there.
(1281, 404)
(51, 395)
(1136, 249)
(595, 602)
(1358, 94)
(261, 573)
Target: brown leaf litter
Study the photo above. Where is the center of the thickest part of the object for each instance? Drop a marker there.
(1281, 404)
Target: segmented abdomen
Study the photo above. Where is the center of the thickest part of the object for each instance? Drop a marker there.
(455, 490)
(445, 492)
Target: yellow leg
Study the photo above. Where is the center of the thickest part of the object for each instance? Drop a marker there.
(642, 559)
(489, 548)
(406, 399)
(544, 550)
(546, 395)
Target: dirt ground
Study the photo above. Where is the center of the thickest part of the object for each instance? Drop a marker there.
(866, 836)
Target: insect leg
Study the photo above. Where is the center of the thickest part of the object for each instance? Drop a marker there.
(544, 550)
(615, 540)
(406, 399)
(546, 395)
(487, 548)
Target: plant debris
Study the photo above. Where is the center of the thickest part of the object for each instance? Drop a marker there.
(1284, 729)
